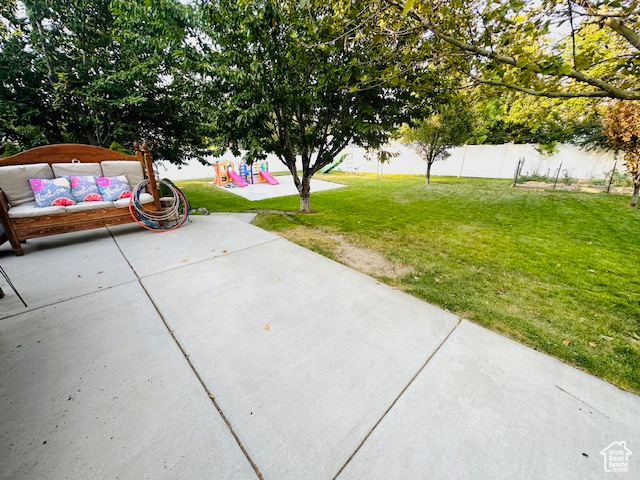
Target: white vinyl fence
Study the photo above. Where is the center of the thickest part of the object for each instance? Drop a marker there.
(489, 161)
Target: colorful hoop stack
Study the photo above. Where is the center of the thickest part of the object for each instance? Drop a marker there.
(168, 218)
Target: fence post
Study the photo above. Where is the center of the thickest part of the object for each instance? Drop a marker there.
(516, 174)
(557, 175)
(464, 154)
(613, 172)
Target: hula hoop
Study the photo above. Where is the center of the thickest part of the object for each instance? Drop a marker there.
(154, 220)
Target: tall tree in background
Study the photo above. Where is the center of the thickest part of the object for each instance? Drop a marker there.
(502, 117)
(303, 79)
(622, 128)
(433, 135)
(552, 48)
(100, 72)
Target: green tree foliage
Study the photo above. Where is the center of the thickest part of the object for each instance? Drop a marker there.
(433, 135)
(302, 79)
(552, 48)
(97, 72)
(520, 118)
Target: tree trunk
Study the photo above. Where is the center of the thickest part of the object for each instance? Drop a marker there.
(428, 177)
(305, 194)
(636, 191)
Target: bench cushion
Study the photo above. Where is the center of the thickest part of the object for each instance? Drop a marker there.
(14, 181)
(79, 169)
(124, 203)
(130, 169)
(29, 209)
(86, 206)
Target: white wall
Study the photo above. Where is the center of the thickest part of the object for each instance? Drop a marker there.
(489, 161)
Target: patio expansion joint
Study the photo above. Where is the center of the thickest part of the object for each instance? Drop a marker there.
(58, 302)
(406, 387)
(192, 366)
(203, 260)
(581, 401)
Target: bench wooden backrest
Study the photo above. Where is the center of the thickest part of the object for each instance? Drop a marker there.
(65, 152)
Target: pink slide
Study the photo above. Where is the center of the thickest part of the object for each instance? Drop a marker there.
(269, 178)
(237, 179)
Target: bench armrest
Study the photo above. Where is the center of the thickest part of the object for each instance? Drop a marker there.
(7, 225)
(4, 205)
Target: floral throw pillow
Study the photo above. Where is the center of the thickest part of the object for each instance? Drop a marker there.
(84, 188)
(52, 193)
(113, 188)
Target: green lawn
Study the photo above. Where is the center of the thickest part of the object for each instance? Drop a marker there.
(558, 271)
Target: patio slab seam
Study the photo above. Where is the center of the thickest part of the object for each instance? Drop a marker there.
(395, 401)
(244, 249)
(186, 355)
(204, 386)
(582, 401)
(64, 300)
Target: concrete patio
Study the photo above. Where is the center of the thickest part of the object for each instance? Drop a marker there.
(223, 351)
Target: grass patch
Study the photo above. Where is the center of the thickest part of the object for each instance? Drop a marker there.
(546, 268)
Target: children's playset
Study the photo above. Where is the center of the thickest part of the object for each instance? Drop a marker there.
(257, 172)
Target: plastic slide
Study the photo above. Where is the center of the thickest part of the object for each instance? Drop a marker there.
(269, 178)
(237, 179)
(333, 165)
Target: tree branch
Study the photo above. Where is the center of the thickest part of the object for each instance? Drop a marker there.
(613, 23)
(602, 86)
(573, 34)
(542, 93)
(617, 26)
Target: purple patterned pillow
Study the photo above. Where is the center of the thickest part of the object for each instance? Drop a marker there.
(113, 188)
(52, 193)
(84, 188)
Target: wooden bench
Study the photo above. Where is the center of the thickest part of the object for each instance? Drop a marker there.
(22, 220)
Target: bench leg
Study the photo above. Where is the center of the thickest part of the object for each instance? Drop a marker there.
(13, 238)
(16, 247)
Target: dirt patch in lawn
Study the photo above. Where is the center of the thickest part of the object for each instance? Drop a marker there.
(577, 187)
(367, 260)
(339, 248)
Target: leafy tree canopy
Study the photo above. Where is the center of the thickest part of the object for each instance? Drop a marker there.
(552, 48)
(302, 79)
(520, 118)
(97, 72)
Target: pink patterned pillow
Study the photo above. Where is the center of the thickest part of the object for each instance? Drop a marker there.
(52, 193)
(84, 188)
(114, 188)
